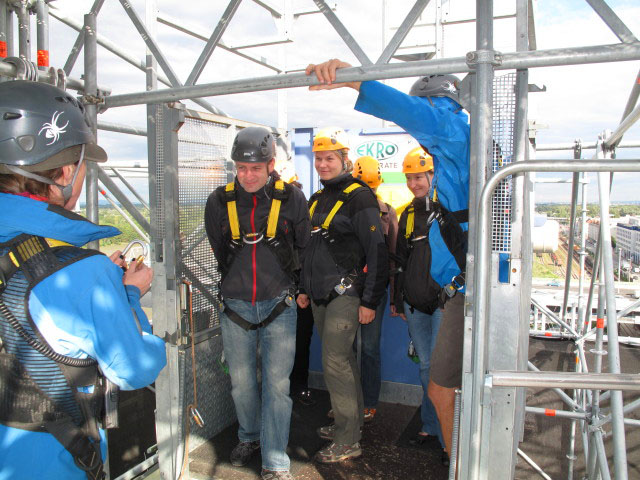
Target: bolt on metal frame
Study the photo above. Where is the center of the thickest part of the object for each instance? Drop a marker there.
(479, 382)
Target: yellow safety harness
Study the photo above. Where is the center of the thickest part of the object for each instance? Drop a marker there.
(274, 212)
(26, 249)
(345, 194)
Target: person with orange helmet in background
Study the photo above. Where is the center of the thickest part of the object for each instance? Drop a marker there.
(367, 169)
(416, 295)
(346, 236)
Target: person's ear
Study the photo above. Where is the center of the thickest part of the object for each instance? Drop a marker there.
(271, 165)
(67, 174)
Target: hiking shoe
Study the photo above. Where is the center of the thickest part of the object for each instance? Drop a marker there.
(338, 452)
(444, 458)
(327, 432)
(241, 454)
(275, 475)
(369, 413)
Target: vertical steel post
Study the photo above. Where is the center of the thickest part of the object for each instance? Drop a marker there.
(583, 250)
(42, 31)
(90, 94)
(24, 31)
(577, 153)
(481, 148)
(617, 421)
(9, 30)
(3, 32)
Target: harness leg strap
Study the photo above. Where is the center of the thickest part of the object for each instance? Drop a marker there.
(86, 454)
(242, 323)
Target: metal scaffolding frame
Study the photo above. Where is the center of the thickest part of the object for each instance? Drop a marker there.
(490, 382)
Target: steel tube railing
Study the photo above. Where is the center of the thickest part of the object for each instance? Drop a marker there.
(556, 413)
(519, 60)
(482, 274)
(602, 381)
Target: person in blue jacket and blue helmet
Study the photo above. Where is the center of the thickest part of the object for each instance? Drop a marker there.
(70, 318)
(433, 115)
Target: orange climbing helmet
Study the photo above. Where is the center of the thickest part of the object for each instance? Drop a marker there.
(367, 169)
(330, 138)
(416, 161)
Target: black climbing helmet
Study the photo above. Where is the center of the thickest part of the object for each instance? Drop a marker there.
(38, 125)
(253, 144)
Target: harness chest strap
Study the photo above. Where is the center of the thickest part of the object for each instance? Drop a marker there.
(337, 206)
(274, 212)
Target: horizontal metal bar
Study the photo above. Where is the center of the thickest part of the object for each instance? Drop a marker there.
(9, 70)
(601, 381)
(518, 60)
(460, 21)
(585, 146)
(549, 412)
(138, 469)
(119, 128)
(279, 41)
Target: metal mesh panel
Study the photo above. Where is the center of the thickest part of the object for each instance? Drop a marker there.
(203, 147)
(504, 111)
(159, 209)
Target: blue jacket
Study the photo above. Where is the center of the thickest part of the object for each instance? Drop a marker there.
(443, 129)
(83, 310)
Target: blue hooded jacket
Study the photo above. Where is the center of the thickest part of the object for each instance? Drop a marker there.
(443, 129)
(83, 310)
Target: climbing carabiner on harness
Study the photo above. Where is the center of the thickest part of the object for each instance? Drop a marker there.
(252, 238)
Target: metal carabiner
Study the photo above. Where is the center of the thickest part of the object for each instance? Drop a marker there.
(257, 238)
(140, 258)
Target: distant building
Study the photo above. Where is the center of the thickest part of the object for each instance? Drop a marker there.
(628, 239)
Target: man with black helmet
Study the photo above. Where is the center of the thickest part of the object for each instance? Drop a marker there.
(69, 317)
(433, 114)
(257, 226)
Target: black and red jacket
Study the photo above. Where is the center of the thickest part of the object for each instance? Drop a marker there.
(255, 273)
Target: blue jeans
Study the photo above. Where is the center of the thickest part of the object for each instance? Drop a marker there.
(267, 419)
(370, 351)
(423, 329)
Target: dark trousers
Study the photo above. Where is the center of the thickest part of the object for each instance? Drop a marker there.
(300, 374)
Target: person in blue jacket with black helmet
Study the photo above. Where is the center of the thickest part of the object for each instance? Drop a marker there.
(70, 318)
(433, 115)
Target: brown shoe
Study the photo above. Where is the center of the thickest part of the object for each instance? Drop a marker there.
(338, 452)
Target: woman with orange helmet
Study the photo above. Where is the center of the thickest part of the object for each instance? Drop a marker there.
(416, 293)
(346, 237)
(367, 169)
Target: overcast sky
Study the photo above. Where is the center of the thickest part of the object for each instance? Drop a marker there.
(580, 102)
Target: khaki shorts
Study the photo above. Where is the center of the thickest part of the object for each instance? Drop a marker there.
(446, 358)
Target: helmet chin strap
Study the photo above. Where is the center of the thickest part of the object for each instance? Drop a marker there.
(65, 190)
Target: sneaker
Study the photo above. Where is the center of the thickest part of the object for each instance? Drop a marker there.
(338, 452)
(241, 454)
(369, 413)
(275, 475)
(327, 432)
